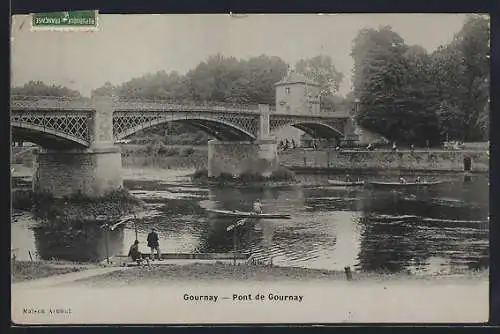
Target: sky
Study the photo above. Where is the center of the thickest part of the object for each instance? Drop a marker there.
(128, 46)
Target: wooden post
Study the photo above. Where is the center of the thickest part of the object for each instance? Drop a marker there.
(13, 263)
(106, 242)
(135, 228)
(348, 273)
(234, 246)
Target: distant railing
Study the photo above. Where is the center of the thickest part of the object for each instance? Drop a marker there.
(187, 102)
(139, 104)
(50, 102)
(15, 97)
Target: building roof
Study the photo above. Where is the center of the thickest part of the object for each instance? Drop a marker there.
(294, 77)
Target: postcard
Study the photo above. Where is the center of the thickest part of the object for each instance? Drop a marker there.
(249, 168)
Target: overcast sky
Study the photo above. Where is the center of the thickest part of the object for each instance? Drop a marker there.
(128, 46)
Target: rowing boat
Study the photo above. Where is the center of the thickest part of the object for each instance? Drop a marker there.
(406, 184)
(393, 217)
(346, 183)
(456, 221)
(242, 214)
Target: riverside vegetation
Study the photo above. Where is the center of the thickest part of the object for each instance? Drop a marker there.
(279, 176)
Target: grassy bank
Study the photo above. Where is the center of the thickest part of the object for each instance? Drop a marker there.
(80, 207)
(163, 156)
(227, 272)
(26, 270)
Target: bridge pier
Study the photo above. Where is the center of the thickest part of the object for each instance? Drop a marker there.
(92, 172)
(258, 156)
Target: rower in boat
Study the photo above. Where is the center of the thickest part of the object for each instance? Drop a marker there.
(257, 206)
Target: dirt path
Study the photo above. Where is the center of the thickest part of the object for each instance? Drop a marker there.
(64, 278)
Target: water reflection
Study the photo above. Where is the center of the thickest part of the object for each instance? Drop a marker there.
(76, 241)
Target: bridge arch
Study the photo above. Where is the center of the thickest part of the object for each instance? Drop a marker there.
(315, 129)
(46, 137)
(318, 129)
(218, 128)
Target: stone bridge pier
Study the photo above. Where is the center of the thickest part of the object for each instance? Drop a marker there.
(93, 171)
(259, 156)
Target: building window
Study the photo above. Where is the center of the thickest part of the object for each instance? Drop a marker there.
(287, 90)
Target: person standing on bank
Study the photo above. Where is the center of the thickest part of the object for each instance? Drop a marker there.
(257, 206)
(153, 243)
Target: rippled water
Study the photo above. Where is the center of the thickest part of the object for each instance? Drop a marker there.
(442, 229)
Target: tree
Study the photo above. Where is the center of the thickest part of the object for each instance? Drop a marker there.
(221, 79)
(321, 70)
(461, 74)
(107, 90)
(382, 79)
(262, 73)
(39, 88)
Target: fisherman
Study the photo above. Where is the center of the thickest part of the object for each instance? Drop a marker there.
(257, 206)
(154, 244)
(394, 147)
(348, 178)
(418, 179)
(402, 180)
(135, 254)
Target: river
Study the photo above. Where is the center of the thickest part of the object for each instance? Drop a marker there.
(423, 232)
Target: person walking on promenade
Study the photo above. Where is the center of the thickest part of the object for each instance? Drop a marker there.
(153, 243)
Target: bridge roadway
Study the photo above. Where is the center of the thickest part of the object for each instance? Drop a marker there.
(50, 121)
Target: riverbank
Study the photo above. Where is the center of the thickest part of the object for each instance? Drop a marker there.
(164, 157)
(405, 161)
(32, 270)
(225, 272)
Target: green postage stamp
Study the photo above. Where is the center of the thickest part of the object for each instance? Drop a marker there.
(78, 20)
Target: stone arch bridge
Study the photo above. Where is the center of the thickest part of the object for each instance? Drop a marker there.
(78, 135)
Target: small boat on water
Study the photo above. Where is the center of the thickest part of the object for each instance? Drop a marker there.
(457, 221)
(396, 184)
(242, 214)
(393, 217)
(346, 183)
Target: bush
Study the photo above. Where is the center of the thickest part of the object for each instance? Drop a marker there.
(282, 174)
(22, 199)
(169, 151)
(251, 177)
(187, 151)
(200, 174)
(225, 176)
